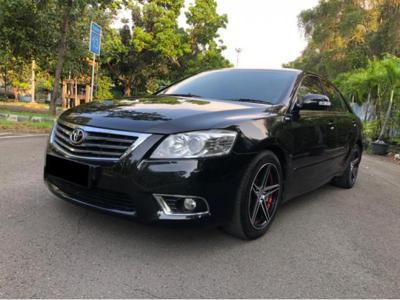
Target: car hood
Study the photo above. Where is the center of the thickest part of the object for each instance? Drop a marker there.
(164, 114)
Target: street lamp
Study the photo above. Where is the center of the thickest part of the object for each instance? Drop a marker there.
(238, 51)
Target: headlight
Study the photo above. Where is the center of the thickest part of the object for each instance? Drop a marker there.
(52, 132)
(196, 144)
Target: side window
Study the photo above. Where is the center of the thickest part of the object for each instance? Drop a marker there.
(310, 85)
(337, 102)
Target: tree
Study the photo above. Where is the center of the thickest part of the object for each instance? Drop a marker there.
(392, 78)
(357, 85)
(206, 47)
(157, 51)
(340, 35)
(22, 37)
(104, 84)
(386, 39)
(141, 55)
(62, 49)
(379, 85)
(72, 12)
(53, 32)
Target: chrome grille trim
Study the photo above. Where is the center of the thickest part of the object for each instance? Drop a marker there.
(100, 144)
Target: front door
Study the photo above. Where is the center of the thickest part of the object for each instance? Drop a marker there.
(309, 137)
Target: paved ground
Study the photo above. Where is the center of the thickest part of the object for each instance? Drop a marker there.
(329, 243)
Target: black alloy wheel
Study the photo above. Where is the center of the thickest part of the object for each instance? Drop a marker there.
(258, 197)
(349, 177)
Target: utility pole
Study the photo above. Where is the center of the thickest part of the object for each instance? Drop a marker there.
(238, 51)
(33, 81)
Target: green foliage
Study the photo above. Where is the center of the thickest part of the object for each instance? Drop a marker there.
(22, 85)
(379, 85)
(157, 51)
(356, 44)
(154, 51)
(202, 35)
(104, 86)
(371, 130)
(344, 35)
(33, 29)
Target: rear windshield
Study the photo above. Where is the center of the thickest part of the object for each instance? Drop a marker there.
(269, 86)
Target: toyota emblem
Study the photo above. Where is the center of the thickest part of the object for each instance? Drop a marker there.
(77, 136)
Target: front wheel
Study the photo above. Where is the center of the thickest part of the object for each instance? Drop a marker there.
(349, 177)
(258, 198)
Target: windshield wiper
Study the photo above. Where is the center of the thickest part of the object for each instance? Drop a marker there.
(183, 95)
(253, 101)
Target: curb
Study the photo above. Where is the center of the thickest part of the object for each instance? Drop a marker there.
(22, 118)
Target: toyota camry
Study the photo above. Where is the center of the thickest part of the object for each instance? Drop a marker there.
(226, 146)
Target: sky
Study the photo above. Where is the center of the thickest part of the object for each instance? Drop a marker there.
(265, 30)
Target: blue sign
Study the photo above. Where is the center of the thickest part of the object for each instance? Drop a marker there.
(95, 38)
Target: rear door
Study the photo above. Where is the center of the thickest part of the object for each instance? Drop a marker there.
(345, 123)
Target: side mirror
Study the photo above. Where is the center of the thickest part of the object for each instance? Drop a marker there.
(314, 102)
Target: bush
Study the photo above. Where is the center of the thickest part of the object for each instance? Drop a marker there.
(104, 86)
(371, 130)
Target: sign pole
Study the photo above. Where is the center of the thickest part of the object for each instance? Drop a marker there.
(92, 85)
(94, 47)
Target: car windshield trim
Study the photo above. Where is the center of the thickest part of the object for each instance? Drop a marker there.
(182, 95)
(253, 101)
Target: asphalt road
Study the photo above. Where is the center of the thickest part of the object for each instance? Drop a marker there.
(329, 243)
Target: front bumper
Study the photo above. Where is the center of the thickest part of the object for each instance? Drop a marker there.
(133, 185)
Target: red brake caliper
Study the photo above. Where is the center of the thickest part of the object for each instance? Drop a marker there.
(268, 203)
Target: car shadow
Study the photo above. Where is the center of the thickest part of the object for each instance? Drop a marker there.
(318, 194)
(186, 236)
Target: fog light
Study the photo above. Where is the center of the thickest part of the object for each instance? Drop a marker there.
(189, 204)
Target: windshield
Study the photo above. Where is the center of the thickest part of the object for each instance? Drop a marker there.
(269, 86)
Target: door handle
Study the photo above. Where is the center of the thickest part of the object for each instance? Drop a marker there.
(331, 125)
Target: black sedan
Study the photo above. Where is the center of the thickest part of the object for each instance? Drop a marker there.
(227, 146)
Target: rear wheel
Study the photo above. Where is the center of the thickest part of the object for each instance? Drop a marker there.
(349, 177)
(258, 198)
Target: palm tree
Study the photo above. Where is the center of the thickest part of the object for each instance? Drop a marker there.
(391, 66)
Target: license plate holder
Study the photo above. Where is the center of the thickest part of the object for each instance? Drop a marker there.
(68, 170)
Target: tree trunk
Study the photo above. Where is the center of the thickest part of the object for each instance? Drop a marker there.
(367, 106)
(15, 91)
(388, 113)
(378, 108)
(5, 79)
(128, 88)
(62, 49)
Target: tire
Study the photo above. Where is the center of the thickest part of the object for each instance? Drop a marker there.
(349, 176)
(258, 198)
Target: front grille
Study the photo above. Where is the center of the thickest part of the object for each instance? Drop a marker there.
(106, 199)
(98, 143)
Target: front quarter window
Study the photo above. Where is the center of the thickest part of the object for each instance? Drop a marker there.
(310, 85)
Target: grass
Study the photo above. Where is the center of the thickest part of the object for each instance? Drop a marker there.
(23, 113)
(26, 107)
(25, 127)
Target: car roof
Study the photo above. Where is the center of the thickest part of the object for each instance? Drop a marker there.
(286, 70)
